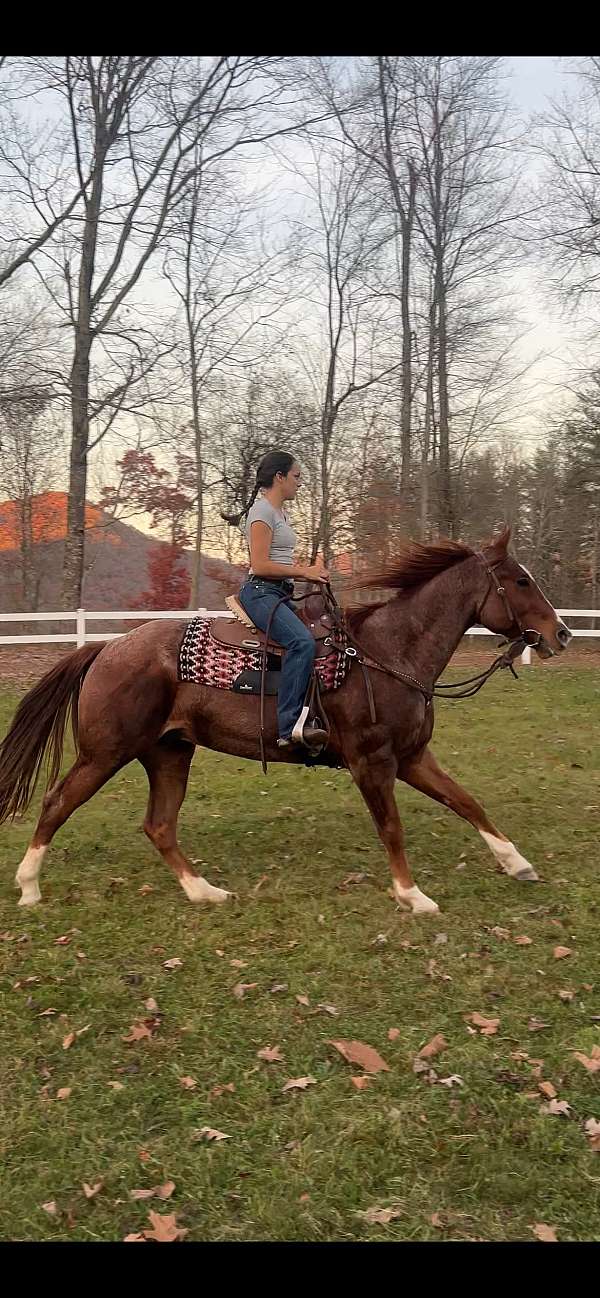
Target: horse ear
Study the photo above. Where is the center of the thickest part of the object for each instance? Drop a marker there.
(497, 547)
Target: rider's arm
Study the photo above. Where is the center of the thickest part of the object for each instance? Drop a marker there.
(261, 536)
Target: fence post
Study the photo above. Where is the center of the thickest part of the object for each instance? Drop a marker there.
(80, 627)
(526, 656)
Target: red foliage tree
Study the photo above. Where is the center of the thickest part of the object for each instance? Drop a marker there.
(169, 580)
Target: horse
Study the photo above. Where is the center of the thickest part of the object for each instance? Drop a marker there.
(127, 703)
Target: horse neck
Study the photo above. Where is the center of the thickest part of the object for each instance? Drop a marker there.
(421, 629)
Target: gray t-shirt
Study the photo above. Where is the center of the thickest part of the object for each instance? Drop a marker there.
(284, 539)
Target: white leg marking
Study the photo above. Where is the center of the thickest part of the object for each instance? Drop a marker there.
(415, 900)
(198, 889)
(27, 876)
(511, 861)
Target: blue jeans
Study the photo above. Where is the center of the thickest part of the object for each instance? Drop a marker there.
(258, 598)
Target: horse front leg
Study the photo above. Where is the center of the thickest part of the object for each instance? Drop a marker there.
(376, 783)
(424, 773)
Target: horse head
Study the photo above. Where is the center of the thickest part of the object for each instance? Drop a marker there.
(513, 604)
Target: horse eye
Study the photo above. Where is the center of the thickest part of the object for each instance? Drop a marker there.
(522, 581)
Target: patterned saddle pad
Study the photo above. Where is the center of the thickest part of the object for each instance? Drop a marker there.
(205, 662)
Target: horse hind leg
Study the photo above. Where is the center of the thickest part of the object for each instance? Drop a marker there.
(167, 766)
(79, 784)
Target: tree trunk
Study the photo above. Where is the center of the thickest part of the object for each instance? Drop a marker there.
(73, 563)
(197, 559)
(429, 419)
(446, 502)
(28, 576)
(406, 410)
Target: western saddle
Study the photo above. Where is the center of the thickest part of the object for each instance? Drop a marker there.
(240, 632)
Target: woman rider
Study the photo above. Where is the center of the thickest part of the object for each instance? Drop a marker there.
(272, 542)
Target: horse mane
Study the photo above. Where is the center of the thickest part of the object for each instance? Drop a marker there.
(412, 566)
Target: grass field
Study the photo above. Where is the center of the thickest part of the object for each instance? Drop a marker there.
(480, 1160)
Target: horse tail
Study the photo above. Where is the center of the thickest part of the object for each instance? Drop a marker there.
(39, 725)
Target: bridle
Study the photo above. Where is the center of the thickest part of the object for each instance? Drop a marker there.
(456, 689)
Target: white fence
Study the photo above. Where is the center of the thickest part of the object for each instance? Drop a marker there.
(82, 617)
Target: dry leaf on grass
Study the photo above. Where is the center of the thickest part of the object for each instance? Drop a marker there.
(50, 1207)
(523, 940)
(502, 933)
(151, 1005)
(91, 1191)
(270, 1054)
(134, 1238)
(157, 1191)
(536, 1025)
(436, 1220)
(140, 1031)
(164, 1228)
(188, 1083)
(64, 940)
(592, 1128)
(210, 1133)
(393, 1033)
(303, 1000)
(546, 1233)
(145, 889)
(356, 1052)
(559, 1107)
(487, 1027)
(175, 963)
(560, 952)
(452, 1080)
(240, 989)
(220, 1090)
(116, 1086)
(328, 1009)
(360, 1082)
(590, 1062)
(566, 994)
(547, 1089)
(299, 1083)
(433, 1047)
(379, 1216)
(68, 1040)
(64, 1092)
(238, 964)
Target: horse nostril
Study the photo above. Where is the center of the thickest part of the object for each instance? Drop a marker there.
(563, 635)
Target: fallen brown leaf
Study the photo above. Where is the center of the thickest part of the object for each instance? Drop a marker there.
(134, 1238)
(116, 1086)
(393, 1033)
(299, 1083)
(270, 1054)
(91, 1191)
(219, 1090)
(502, 933)
(487, 1027)
(566, 994)
(433, 1047)
(303, 1000)
(436, 1220)
(138, 1032)
(240, 989)
(157, 1191)
(50, 1207)
(64, 1092)
(523, 940)
(548, 1090)
(360, 1082)
(536, 1025)
(151, 1005)
(328, 1009)
(590, 1062)
(145, 889)
(64, 940)
(356, 1052)
(379, 1216)
(174, 963)
(210, 1133)
(592, 1128)
(188, 1083)
(238, 964)
(164, 1228)
(558, 1107)
(560, 952)
(68, 1040)
(452, 1080)
(46, 1013)
(546, 1233)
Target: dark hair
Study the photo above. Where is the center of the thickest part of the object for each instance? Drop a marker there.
(272, 463)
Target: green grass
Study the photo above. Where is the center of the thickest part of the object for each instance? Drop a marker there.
(483, 1156)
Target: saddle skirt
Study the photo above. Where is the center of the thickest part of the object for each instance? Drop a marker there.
(228, 655)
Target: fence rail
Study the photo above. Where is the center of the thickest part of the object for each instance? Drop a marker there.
(81, 617)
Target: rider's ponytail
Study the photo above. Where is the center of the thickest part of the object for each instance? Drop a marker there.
(271, 464)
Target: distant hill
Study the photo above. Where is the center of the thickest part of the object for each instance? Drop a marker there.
(116, 559)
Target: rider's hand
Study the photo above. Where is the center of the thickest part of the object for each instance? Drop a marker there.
(316, 571)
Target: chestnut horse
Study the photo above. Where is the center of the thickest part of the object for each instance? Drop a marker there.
(127, 702)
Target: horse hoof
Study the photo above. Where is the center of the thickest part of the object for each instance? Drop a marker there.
(416, 901)
(30, 898)
(198, 889)
(527, 875)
